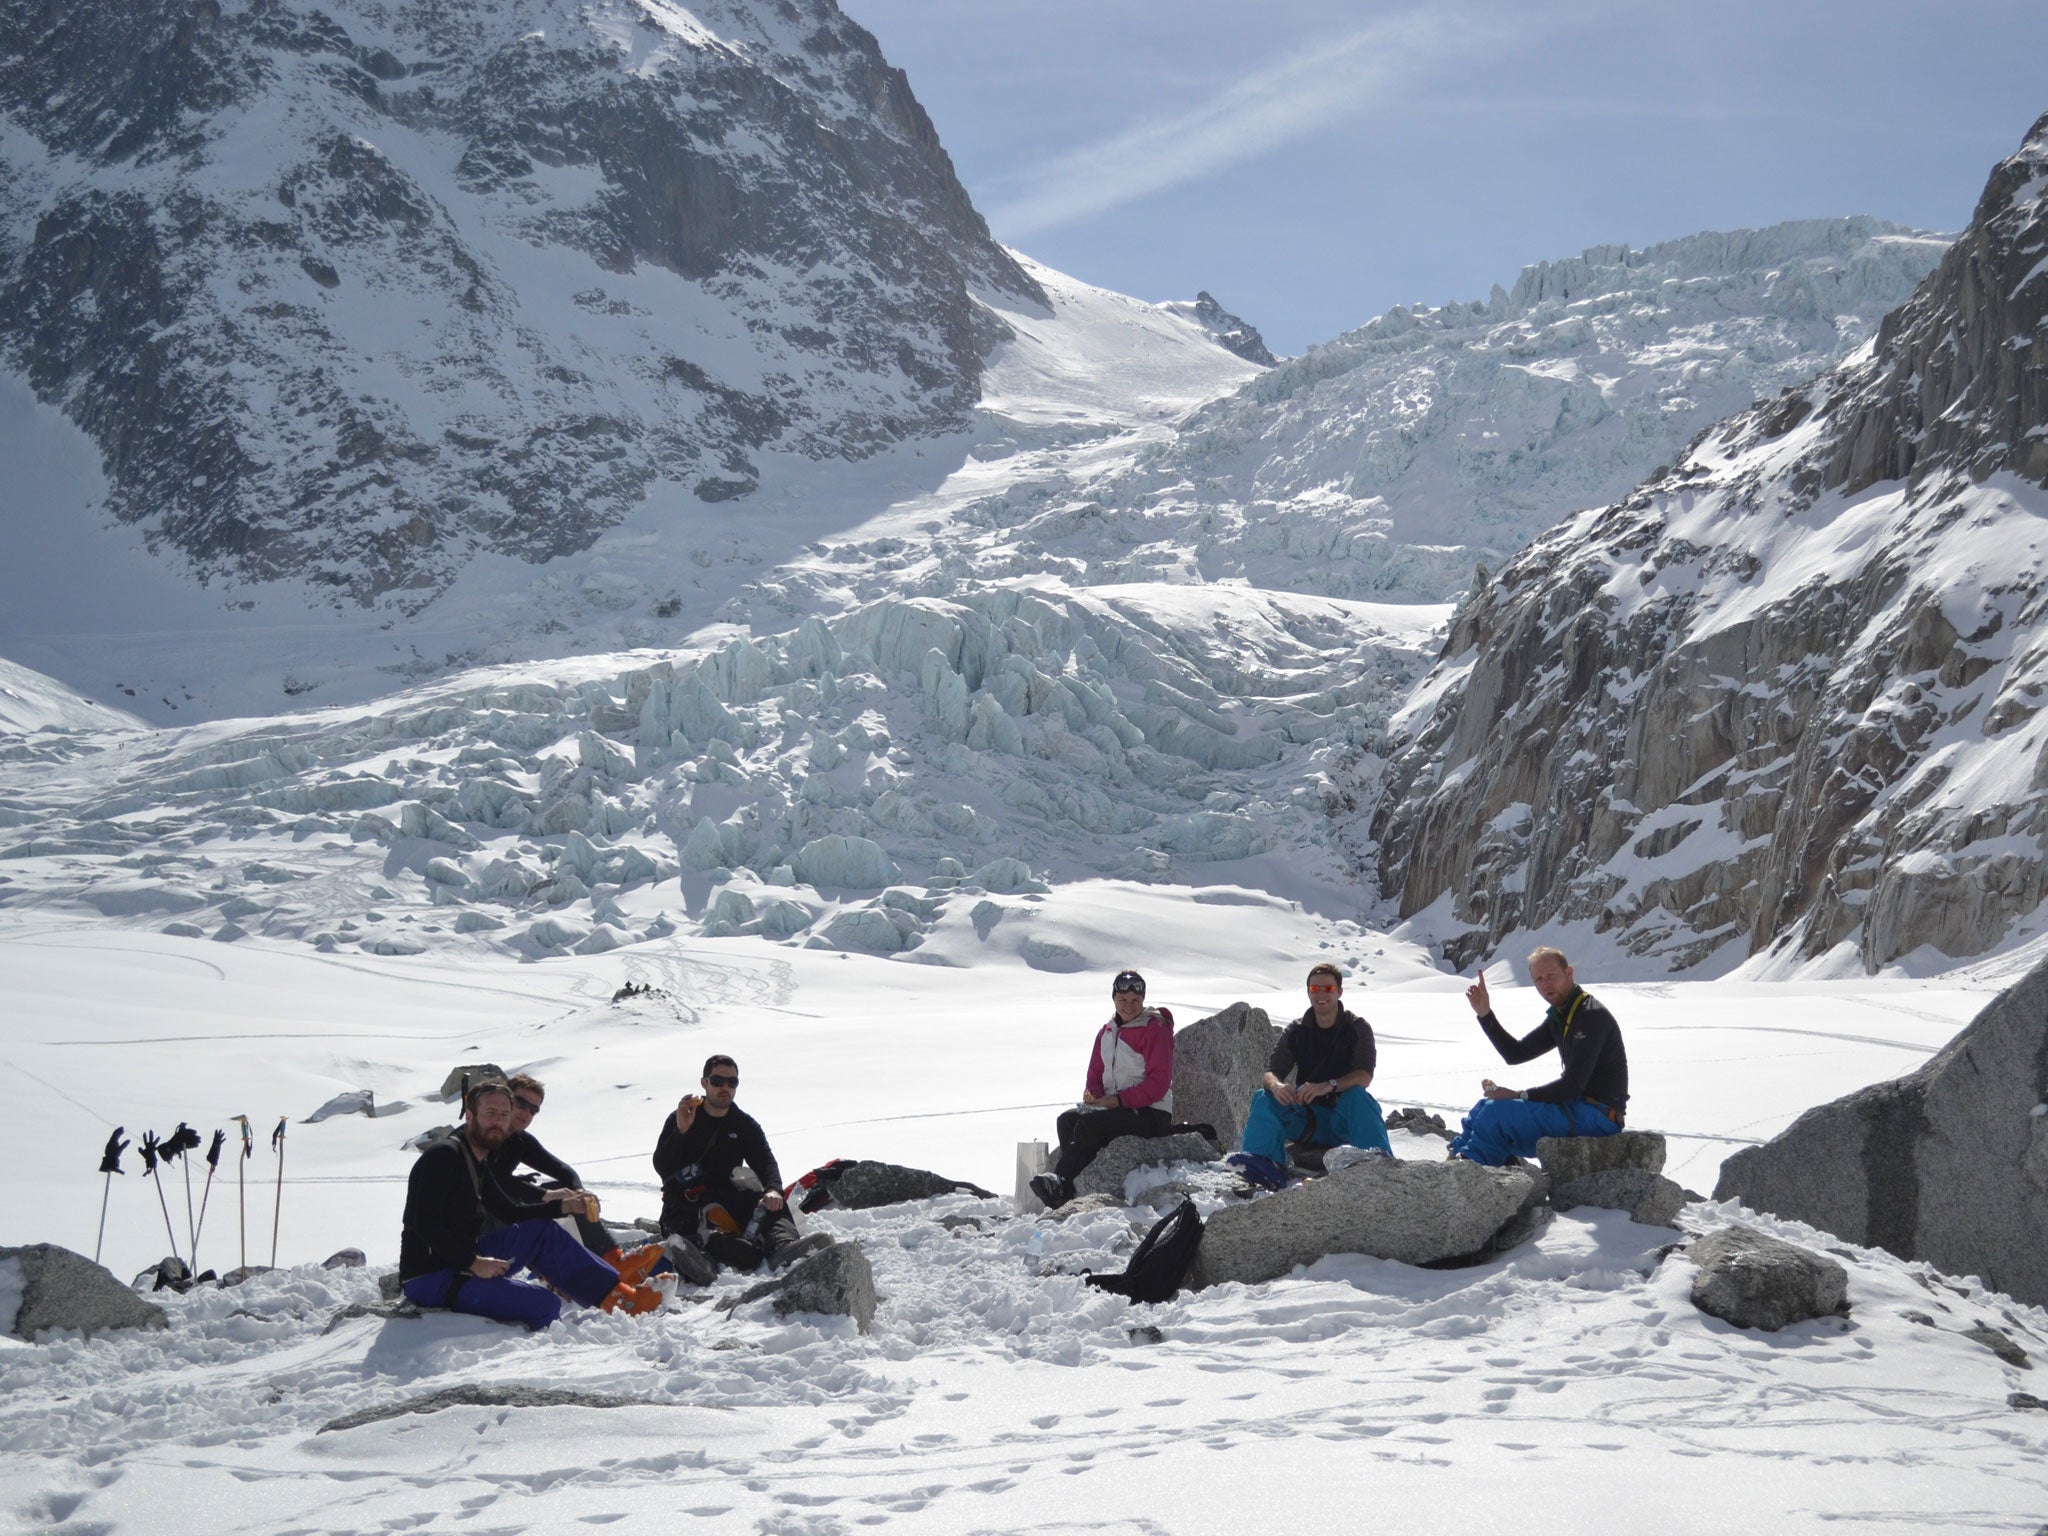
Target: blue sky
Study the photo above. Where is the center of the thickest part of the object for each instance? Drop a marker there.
(1312, 163)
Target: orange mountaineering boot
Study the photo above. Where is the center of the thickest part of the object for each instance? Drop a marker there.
(633, 1299)
(633, 1267)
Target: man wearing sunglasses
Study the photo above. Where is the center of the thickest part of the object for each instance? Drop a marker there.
(1315, 1087)
(737, 1217)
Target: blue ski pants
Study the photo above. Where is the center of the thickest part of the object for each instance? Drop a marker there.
(540, 1246)
(1498, 1129)
(1354, 1120)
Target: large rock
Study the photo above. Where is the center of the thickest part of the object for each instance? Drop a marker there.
(1649, 1198)
(1570, 1158)
(1754, 1281)
(866, 1185)
(1419, 1213)
(1947, 1164)
(61, 1289)
(838, 1282)
(1117, 1161)
(451, 1085)
(1218, 1063)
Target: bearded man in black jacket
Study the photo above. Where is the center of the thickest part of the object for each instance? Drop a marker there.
(467, 1236)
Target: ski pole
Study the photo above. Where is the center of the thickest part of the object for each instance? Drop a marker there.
(183, 1140)
(212, 1167)
(110, 1164)
(242, 1185)
(277, 1209)
(150, 1144)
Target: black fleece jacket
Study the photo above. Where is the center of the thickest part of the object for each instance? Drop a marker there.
(716, 1144)
(1587, 1041)
(448, 1199)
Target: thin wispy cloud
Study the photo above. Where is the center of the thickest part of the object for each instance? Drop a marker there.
(1364, 69)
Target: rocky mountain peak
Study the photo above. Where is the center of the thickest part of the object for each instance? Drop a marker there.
(1786, 695)
(350, 293)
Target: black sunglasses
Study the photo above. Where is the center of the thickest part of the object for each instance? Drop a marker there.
(526, 1104)
(718, 1081)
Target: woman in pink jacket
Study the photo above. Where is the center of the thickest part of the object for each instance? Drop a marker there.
(1130, 1088)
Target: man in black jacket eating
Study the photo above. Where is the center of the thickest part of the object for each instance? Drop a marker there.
(466, 1235)
(706, 1198)
(1589, 1096)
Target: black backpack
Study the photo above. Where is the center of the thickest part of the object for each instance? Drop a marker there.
(1162, 1260)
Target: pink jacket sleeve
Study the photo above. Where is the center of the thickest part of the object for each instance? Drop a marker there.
(1156, 1047)
(1095, 1062)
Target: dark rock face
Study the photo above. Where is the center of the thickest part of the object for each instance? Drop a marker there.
(1755, 1281)
(62, 1289)
(1649, 1198)
(836, 1282)
(349, 293)
(869, 1184)
(1218, 1063)
(1236, 336)
(1570, 1158)
(1117, 1161)
(1948, 1164)
(1418, 1213)
(1783, 696)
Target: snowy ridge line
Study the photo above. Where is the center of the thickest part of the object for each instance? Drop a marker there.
(1163, 727)
(1390, 461)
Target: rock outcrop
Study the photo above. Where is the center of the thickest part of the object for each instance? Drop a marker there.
(836, 1282)
(1418, 1213)
(1786, 695)
(1217, 1064)
(1947, 1164)
(1754, 1281)
(351, 293)
(865, 1185)
(62, 1289)
(1116, 1162)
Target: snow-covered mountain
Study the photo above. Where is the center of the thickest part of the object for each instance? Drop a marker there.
(1785, 696)
(350, 294)
(1390, 461)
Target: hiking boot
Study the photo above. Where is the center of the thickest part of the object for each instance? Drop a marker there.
(1258, 1171)
(692, 1265)
(1052, 1190)
(635, 1266)
(788, 1253)
(633, 1299)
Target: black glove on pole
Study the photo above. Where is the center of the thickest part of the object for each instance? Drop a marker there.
(110, 1164)
(151, 1151)
(181, 1141)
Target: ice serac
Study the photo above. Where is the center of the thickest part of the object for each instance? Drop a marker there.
(1785, 696)
(1388, 462)
(1947, 1164)
(353, 293)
